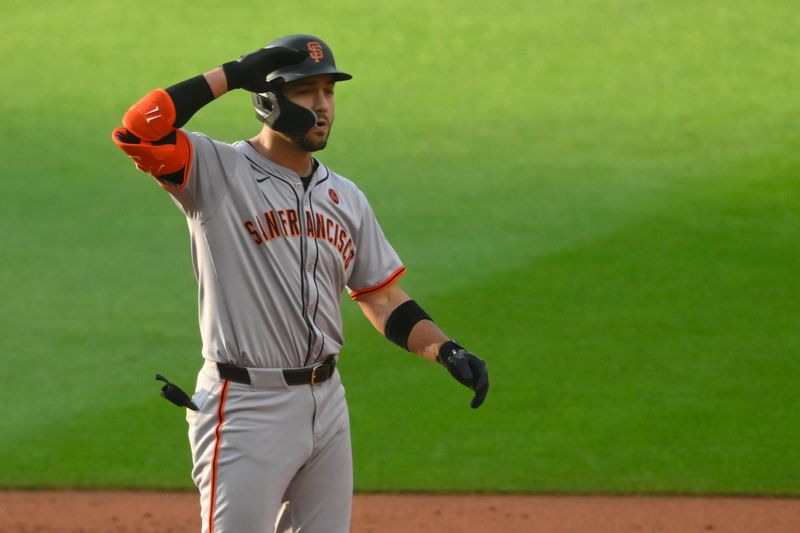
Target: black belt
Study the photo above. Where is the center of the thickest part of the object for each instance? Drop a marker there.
(293, 376)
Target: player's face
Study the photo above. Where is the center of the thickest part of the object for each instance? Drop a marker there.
(314, 93)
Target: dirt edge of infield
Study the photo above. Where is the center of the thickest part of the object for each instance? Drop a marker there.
(178, 511)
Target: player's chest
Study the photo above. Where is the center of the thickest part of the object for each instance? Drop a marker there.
(279, 217)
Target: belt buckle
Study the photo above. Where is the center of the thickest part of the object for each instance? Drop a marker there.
(317, 367)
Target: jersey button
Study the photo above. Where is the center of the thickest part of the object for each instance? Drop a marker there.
(298, 185)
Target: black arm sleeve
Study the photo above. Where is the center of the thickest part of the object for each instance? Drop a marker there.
(189, 96)
(402, 320)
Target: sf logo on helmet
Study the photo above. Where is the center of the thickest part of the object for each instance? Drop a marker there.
(316, 52)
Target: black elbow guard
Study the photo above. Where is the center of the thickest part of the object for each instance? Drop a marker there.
(402, 320)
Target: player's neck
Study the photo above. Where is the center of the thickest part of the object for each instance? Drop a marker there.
(280, 150)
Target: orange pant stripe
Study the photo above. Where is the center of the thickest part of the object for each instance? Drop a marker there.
(223, 395)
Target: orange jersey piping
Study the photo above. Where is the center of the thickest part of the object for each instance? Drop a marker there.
(355, 295)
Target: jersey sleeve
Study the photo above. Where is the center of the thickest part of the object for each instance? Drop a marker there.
(206, 185)
(376, 265)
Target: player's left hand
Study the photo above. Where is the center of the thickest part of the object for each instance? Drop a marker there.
(467, 368)
(250, 71)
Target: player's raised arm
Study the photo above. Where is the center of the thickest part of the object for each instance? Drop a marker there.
(405, 323)
(151, 133)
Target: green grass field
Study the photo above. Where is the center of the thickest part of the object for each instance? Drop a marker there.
(600, 198)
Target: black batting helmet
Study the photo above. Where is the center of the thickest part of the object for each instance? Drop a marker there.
(274, 109)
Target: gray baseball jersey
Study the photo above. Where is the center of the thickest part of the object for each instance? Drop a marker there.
(272, 259)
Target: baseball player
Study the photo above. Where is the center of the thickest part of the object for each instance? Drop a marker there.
(276, 236)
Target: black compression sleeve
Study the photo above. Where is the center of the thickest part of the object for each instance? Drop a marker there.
(402, 320)
(189, 96)
(233, 74)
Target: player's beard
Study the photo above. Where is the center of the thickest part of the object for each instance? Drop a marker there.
(309, 143)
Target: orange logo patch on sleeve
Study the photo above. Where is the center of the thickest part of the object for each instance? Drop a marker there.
(316, 52)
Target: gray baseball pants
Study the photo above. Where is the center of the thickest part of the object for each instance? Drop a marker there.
(269, 457)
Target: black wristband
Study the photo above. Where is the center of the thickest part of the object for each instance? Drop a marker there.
(402, 320)
(188, 97)
(233, 73)
(447, 349)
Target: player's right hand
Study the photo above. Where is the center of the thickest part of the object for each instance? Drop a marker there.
(467, 368)
(250, 71)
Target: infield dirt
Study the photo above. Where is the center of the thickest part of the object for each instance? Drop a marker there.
(126, 511)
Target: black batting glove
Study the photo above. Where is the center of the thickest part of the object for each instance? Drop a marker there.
(467, 368)
(249, 72)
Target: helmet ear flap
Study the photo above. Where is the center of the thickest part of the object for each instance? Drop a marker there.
(270, 104)
(263, 107)
(276, 111)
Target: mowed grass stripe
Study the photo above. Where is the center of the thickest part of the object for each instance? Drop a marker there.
(624, 385)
